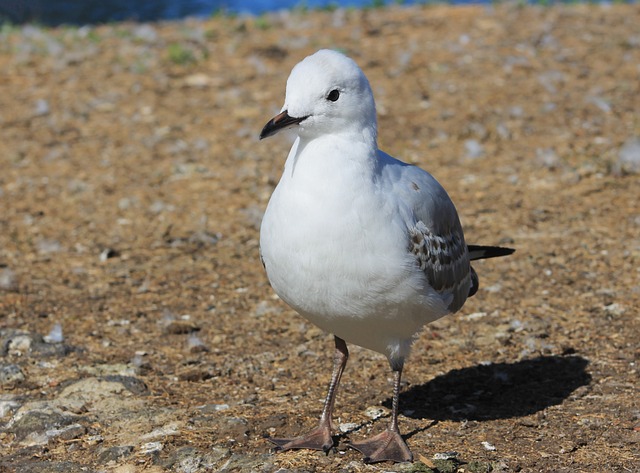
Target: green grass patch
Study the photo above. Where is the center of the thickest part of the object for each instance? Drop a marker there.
(180, 55)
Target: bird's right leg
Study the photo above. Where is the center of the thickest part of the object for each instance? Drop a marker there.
(320, 437)
(389, 444)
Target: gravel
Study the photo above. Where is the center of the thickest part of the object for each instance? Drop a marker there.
(138, 330)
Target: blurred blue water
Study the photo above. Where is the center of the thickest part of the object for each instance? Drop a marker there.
(78, 12)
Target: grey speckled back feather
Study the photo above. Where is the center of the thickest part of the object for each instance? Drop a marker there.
(435, 233)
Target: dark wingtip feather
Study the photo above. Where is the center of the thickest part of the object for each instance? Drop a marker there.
(477, 252)
(475, 282)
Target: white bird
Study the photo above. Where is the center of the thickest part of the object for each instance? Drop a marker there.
(361, 244)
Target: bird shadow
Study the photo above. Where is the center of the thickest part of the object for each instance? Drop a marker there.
(496, 390)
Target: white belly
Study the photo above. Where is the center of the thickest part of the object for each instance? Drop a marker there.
(344, 265)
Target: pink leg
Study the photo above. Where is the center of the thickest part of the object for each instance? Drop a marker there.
(320, 437)
(388, 445)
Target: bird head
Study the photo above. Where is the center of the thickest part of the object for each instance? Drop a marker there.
(326, 93)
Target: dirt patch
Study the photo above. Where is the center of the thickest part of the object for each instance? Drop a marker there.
(139, 331)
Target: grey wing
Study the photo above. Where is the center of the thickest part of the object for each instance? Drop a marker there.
(445, 261)
(435, 234)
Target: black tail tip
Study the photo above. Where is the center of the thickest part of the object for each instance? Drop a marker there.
(483, 252)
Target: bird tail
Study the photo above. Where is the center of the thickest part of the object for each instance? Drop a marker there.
(483, 252)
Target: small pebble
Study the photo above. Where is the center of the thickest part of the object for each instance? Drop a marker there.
(47, 246)
(7, 405)
(41, 108)
(8, 280)
(473, 149)
(445, 455)
(629, 157)
(10, 374)
(19, 344)
(488, 446)
(476, 316)
(151, 447)
(348, 427)
(55, 335)
(614, 309)
(374, 412)
(195, 345)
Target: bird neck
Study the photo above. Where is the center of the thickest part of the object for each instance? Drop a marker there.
(334, 154)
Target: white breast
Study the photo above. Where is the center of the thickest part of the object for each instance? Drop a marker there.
(337, 252)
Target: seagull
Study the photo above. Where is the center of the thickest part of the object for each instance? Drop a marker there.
(366, 247)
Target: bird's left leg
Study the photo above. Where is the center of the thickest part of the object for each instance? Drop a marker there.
(320, 437)
(388, 445)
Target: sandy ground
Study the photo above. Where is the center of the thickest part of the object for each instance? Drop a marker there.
(132, 184)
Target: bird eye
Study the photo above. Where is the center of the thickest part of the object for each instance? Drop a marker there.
(333, 95)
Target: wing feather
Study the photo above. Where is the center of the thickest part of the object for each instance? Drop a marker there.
(435, 235)
(445, 262)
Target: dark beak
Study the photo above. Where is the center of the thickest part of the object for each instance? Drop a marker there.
(279, 122)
